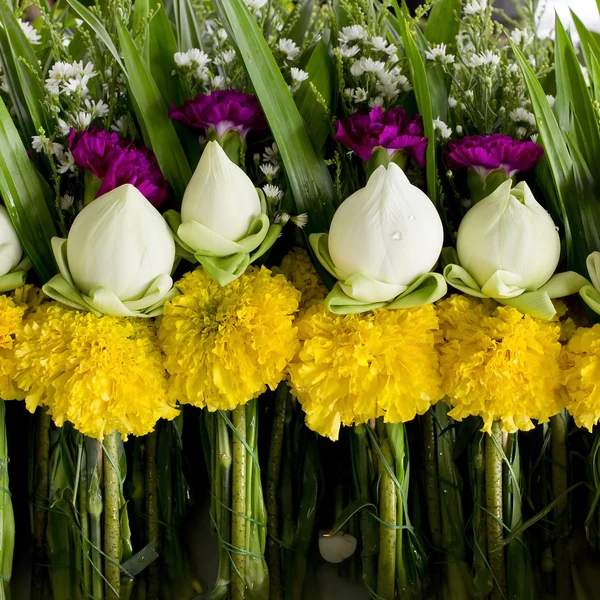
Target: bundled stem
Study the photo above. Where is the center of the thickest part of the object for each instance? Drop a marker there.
(95, 505)
(82, 506)
(386, 571)
(495, 532)
(432, 495)
(112, 535)
(152, 512)
(238, 518)
(7, 518)
(558, 427)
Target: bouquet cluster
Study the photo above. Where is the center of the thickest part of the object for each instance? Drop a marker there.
(356, 248)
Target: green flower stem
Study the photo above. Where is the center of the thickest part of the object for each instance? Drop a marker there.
(112, 526)
(495, 532)
(558, 428)
(40, 500)
(152, 529)
(274, 468)
(432, 493)
(386, 571)
(288, 525)
(7, 518)
(84, 522)
(363, 476)
(95, 507)
(238, 518)
(137, 496)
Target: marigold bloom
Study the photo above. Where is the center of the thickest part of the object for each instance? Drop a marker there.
(99, 373)
(580, 361)
(225, 345)
(352, 368)
(299, 270)
(498, 363)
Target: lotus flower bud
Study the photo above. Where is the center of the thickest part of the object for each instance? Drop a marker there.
(10, 246)
(509, 242)
(388, 231)
(119, 242)
(337, 548)
(220, 196)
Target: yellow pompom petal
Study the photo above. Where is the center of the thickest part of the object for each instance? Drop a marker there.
(299, 270)
(225, 345)
(498, 363)
(11, 315)
(580, 361)
(352, 368)
(101, 374)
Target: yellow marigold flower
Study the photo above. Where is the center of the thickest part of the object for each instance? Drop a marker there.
(498, 363)
(299, 270)
(11, 315)
(99, 373)
(225, 345)
(580, 361)
(352, 368)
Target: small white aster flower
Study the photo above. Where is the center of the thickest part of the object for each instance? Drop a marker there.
(37, 143)
(272, 192)
(474, 7)
(82, 119)
(521, 132)
(66, 162)
(377, 101)
(228, 56)
(300, 220)
(360, 95)
(77, 68)
(97, 109)
(391, 50)
(459, 129)
(443, 129)
(521, 37)
(379, 43)
(221, 34)
(356, 69)
(63, 127)
(349, 92)
(534, 137)
(551, 99)
(298, 75)
(255, 5)
(349, 51)
(352, 33)
(57, 75)
(269, 170)
(522, 115)
(30, 33)
(66, 202)
(513, 68)
(369, 65)
(281, 218)
(452, 102)
(271, 154)
(218, 82)
(470, 94)
(289, 48)
(438, 54)
(119, 126)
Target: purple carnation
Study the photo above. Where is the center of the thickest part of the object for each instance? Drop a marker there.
(487, 152)
(222, 110)
(393, 130)
(117, 161)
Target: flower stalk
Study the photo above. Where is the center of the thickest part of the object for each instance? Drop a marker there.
(432, 496)
(7, 518)
(112, 528)
(152, 529)
(238, 505)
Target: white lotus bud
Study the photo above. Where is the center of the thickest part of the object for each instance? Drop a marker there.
(119, 242)
(336, 548)
(509, 241)
(220, 195)
(389, 231)
(11, 250)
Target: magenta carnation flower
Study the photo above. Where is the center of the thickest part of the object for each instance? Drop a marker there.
(223, 111)
(393, 130)
(117, 161)
(483, 153)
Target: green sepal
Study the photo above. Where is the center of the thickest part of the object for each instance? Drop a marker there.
(590, 293)
(481, 187)
(223, 259)
(15, 278)
(101, 300)
(425, 290)
(537, 303)
(591, 297)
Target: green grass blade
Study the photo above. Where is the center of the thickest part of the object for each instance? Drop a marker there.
(420, 84)
(308, 176)
(25, 198)
(442, 23)
(186, 26)
(152, 113)
(300, 27)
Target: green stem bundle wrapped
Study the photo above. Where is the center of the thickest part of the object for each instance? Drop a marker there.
(7, 518)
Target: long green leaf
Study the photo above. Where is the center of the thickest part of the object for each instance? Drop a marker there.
(26, 67)
(443, 22)
(307, 174)
(186, 26)
(591, 53)
(422, 93)
(152, 112)
(24, 198)
(300, 27)
(321, 80)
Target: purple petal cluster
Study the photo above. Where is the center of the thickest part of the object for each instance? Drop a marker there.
(393, 130)
(487, 152)
(223, 111)
(117, 161)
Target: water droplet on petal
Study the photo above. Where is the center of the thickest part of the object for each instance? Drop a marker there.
(397, 235)
(411, 217)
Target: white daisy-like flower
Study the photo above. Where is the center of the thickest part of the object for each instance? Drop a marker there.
(522, 115)
(98, 109)
(387, 90)
(369, 65)
(77, 68)
(44, 144)
(349, 92)
(81, 120)
(513, 68)
(379, 43)
(521, 37)
(438, 54)
(269, 170)
(300, 220)
(442, 129)
(63, 128)
(534, 138)
(119, 126)
(193, 58)
(273, 192)
(470, 94)
(459, 129)
(474, 7)
(281, 218)
(218, 82)
(391, 51)
(377, 101)
(57, 76)
(482, 59)
(521, 132)
(452, 102)
(271, 154)
(30, 33)
(255, 5)
(356, 69)
(76, 85)
(66, 202)
(221, 34)
(289, 48)
(360, 95)
(66, 162)
(298, 75)
(349, 51)
(352, 33)
(37, 143)
(551, 99)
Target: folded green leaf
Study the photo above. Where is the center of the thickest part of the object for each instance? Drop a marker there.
(186, 26)
(442, 23)
(25, 198)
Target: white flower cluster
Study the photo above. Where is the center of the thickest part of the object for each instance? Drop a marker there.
(30, 33)
(64, 158)
(193, 62)
(70, 78)
(374, 77)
